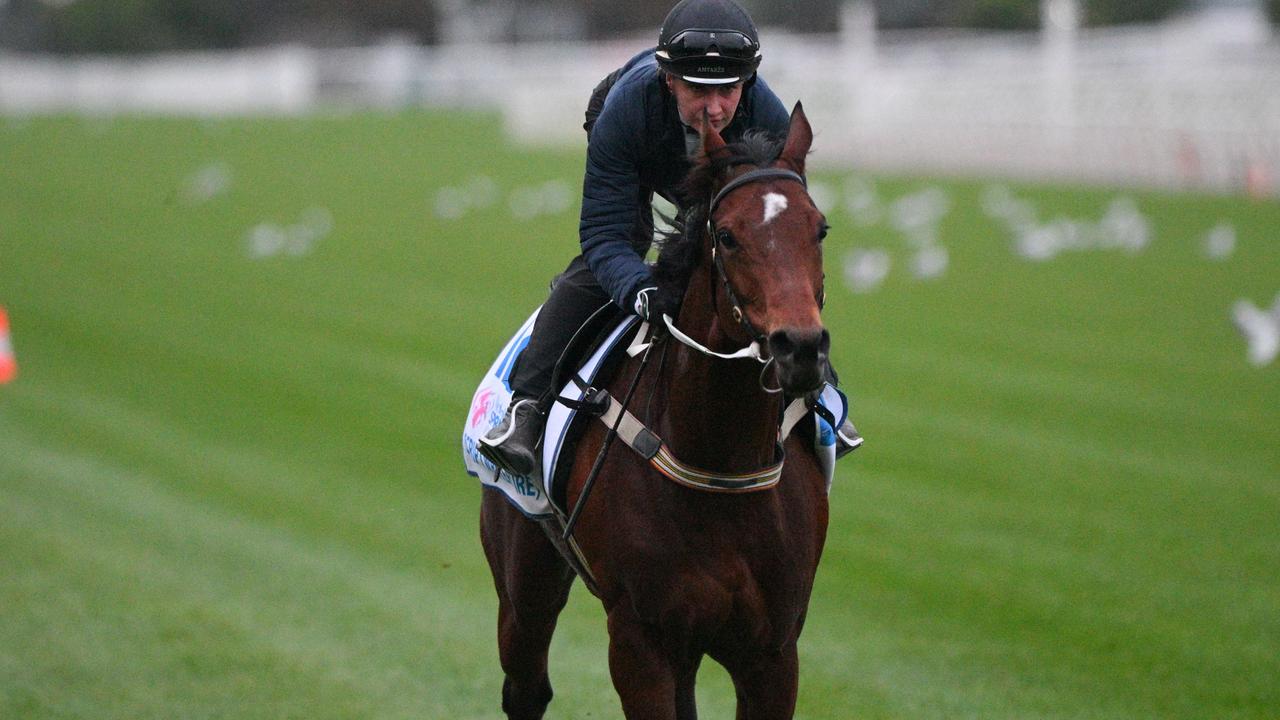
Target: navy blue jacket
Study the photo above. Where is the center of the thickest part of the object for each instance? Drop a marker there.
(636, 148)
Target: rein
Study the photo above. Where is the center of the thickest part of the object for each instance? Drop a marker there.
(751, 351)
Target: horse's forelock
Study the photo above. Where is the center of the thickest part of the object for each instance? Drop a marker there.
(679, 247)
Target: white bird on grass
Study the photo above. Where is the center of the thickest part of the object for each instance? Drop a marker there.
(1261, 329)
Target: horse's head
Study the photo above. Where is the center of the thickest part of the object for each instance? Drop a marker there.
(764, 240)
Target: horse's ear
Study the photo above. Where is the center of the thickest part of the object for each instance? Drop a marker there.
(711, 140)
(799, 138)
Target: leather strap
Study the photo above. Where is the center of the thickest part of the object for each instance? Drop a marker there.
(651, 447)
(754, 176)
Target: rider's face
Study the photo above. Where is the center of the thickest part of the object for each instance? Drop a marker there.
(720, 102)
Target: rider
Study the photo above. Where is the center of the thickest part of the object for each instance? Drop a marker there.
(640, 122)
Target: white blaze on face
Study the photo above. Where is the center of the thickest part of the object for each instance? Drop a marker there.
(773, 204)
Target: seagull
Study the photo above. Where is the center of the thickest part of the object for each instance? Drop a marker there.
(1261, 328)
(864, 270)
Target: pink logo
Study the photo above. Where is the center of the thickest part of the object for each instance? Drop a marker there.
(480, 407)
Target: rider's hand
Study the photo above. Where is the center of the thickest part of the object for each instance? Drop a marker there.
(652, 304)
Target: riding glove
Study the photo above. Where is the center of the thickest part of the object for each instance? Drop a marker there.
(651, 304)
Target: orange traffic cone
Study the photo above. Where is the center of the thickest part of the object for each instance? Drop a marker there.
(8, 363)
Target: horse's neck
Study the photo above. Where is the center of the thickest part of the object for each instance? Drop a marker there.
(717, 416)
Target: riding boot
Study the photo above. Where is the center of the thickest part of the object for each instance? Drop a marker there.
(847, 439)
(512, 445)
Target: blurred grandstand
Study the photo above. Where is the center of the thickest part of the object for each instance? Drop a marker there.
(1190, 102)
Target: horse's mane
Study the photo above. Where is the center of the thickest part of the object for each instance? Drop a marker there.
(679, 248)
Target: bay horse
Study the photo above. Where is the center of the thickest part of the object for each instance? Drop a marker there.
(682, 572)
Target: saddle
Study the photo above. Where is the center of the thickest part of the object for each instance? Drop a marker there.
(597, 340)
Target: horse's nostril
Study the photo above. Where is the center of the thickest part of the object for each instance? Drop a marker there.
(800, 345)
(780, 344)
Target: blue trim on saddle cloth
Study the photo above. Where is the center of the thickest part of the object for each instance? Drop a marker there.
(488, 406)
(560, 418)
(824, 436)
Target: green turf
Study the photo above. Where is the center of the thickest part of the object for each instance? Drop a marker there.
(231, 487)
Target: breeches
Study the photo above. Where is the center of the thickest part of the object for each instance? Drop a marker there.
(575, 295)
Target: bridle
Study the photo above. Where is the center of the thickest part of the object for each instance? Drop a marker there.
(751, 176)
(758, 340)
(650, 446)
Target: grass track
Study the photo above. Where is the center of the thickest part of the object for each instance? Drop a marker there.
(230, 488)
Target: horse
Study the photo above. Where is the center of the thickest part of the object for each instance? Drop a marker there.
(685, 573)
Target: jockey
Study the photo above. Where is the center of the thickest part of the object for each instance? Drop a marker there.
(640, 122)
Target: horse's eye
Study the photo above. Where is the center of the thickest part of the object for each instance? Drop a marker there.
(725, 238)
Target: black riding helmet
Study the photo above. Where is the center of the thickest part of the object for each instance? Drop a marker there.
(709, 42)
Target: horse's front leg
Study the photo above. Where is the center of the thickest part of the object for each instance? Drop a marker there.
(533, 585)
(766, 684)
(646, 675)
(686, 679)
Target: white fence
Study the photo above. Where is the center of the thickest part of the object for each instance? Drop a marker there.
(1156, 106)
(279, 80)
